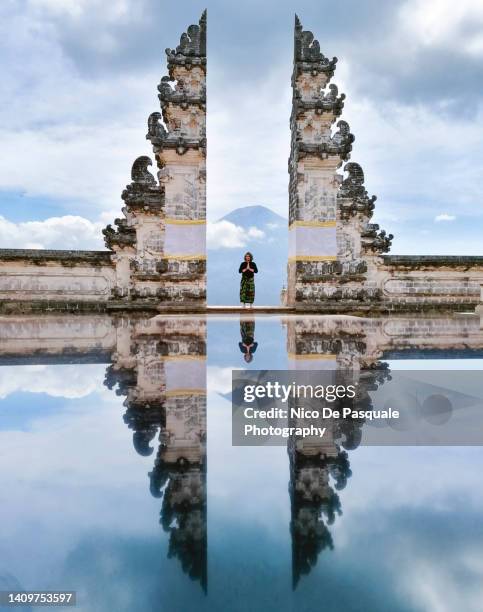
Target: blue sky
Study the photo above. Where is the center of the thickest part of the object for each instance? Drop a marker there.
(79, 79)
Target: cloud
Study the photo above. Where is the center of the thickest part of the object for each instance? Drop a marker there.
(69, 232)
(442, 22)
(75, 232)
(224, 234)
(219, 379)
(70, 381)
(444, 217)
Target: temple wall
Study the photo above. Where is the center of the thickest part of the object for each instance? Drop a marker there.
(27, 337)
(58, 276)
(427, 281)
(352, 342)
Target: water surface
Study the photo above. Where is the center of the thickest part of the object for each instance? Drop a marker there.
(119, 479)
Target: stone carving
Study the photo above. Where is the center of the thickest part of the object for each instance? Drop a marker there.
(192, 44)
(316, 154)
(121, 236)
(140, 174)
(182, 96)
(330, 102)
(307, 50)
(156, 129)
(333, 211)
(375, 240)
(144, 192)
(340, 144)
(353, 197)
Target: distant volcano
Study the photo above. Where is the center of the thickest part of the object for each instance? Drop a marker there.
(270, 251)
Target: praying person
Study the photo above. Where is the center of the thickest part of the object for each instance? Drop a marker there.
(248, 269)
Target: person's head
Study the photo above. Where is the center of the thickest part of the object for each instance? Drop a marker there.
(248, 256)
(248, 357)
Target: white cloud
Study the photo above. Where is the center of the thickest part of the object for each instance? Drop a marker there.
(75, 232)
(224, 234)
(444, 22)
(113, 10)
(255, 234)
(71, 7)
(218, 379)
(434, 586)
(69, 232)
(444, 217)
(69, 381)
(67, 136)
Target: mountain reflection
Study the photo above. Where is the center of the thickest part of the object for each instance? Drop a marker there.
(158, 365)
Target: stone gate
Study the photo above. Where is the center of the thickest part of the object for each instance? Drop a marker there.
(156, 259)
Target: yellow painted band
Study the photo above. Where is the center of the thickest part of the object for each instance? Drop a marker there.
(183, 357)
(183, 257)
(184, 392)
(312, 224)
(312, 258)
(185, 221)
(321, 357)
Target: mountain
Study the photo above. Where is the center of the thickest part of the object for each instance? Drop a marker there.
(269, 246)
(254, 215)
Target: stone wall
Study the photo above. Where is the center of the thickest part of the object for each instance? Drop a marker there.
(348, 342)
(49, 277)
(427, 281)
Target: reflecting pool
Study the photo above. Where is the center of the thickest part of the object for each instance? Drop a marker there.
(120, 481)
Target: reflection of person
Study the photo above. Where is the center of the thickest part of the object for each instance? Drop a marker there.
(248, 269)
(247, 345)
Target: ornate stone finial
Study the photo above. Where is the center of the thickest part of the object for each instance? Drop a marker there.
(192, 42)
(341, 141)
(375, 240)
(307, 48)
(353, 185)
(144, 191)
(156, 129)
(140, 173)
(121, 235)
(353, 194)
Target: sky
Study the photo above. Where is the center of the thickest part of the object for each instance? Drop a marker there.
(79, 79)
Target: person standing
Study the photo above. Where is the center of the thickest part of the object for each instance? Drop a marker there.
(248, 269)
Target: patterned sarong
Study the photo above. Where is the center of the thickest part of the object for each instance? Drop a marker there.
(247, 290)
